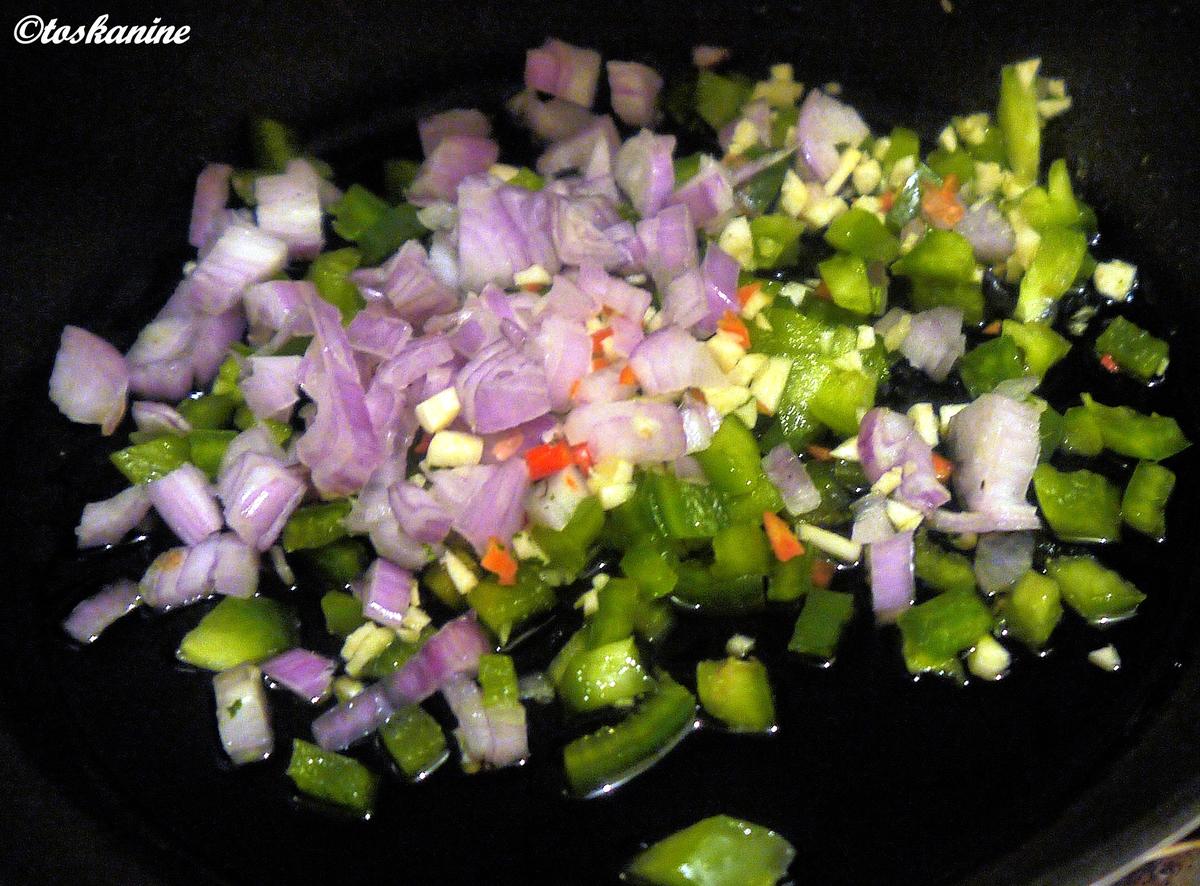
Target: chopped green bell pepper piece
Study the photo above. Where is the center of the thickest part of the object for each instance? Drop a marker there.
(1128, 432)
(1081, 432)
(792, 579)
(936, 631)
(698, 588)
(653, 620)
(152, 460)
(737, 692)
(330, 273)
(901, 143)
(208, 411)
(604, 676)
(1055, 204)
(821, 623)
(862, 234)
(617, 604)
(394, 227)
(314, 526)
(718, 851)
(1018, 117)
(343, 613)
(1133, 349)
(986, 365)
(226, 382)
(685, 510)
(1079, 505)
(719, 98)
(602, 760)
(733, 465)
(942, 570)
(336, 779)
(528, 179)
(992, 148)
(1041, 345)
(274, 144)
(1052, 272)
(834, 508)
(686, 168)
(1144, 503)
(356, 211)
(776, 240)
(959, 163)
(415, 741)
(740, 550)
(849, 285)
(967, 297)
(237, 631)
(570, 548)
(398, 176)
(758, 195)
(843, 396)
(504, 607)
(1051, 431)
(207, 449)
(341, 561)
(498, 680)
(652, 566)
(1032, 609)
(1098, 594)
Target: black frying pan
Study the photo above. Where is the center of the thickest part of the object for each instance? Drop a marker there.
(110, 768)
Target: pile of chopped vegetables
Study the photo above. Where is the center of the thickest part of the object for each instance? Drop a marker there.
(622, 387)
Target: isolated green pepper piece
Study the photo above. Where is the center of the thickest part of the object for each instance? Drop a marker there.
(606, 675)
(1019, 121)
(1032, 609)
(860, 233)
(1144, 503)
(718, 851)
(1133, 349)
(821, 623)
(1079, 505)
(331, 777)
(1096, 593)
(151, 460)
(1053, 270)
(1041, 345)
(1128, 432)
(415, 741)
(936, 631)
(314, 526)
(737, 692)
(237, 631)
(986, 365)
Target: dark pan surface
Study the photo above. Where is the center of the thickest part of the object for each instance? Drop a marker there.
(1060, 773)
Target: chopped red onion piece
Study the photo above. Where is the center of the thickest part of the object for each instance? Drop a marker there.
(454, 649)
(607, 291)
(257, 439)
(502, 230)
(288, 206)
(454, 158)
(988, 231)
(824, 124)
(1001, 558)
(552, 502)
(186, 502)
(210, 346)
(670, 361)
(160, 583)
(107, 522)
(871, 522)
(272, 386)
(721, 284)
(577, 151)
(164, 379)
(685, 302)
(890, 562)
(633, 90)
(708, 195)
(758, 114)
(212, 193)
(887, 440)
(89, 619)
(378, 333)
(164, 338)
(639, 432)
(1008, 518)
(419, 513)
(995, 443)
(704, 56)
(670, 240)
(242, 255)
(243, 717)
(353, 720)
(259, 495)
(550, 121)
(700, 423)
(159, 418)
(466, 703)
(303, 673)
(644, 169)
(563, 70)
(496, 509)
(565, 349)
(90, 380)
(278, 306)
(457, 121)
(578, 228)
(386, 593)
(935, 341)
(785, 470)
(604, 386)
(500, 388)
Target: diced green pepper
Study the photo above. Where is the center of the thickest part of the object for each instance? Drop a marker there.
(343, 613)
(741, 550)
(1018, 116)
(152, 460)
(569, 548)
(528, 179)
(1079, 505)
(967, 297)
(652, 566)
(1052, 272)
(737, 692)
(208, 411)
(274, 144)
(207, 449)
(415, 741)
(685, 510)
(959, 163)
(861, 233)
(504, 607)
(992, 148)
(330, 273)
(759, 194)
(936, 631)
(1081, 432)
(821, 623)
(699, 588)
(901, 143)
(718, 851)
(849, 285)
(843, 396)
(719, 98)
(1041, 345)
(776, 240)
(336, 779)
(986, 365)
(1098, 594)
(1128, 432)
(356, 211)
(1133, 349)
(1144, 504)
(498, 680)
(226, 382)
(617, 604)
(606, 675)
(686, 168)
(1051, 431)
(1055, 204)
(792, 579)
(1032, 609)
(835, 498)
(341, 561)
(314, 526)
(653, 620)
(237, 631)
(942, 570)
(396, 654)
(398, 176)
(604, 759)
(939, 255)
(396, 225)
(733, 465)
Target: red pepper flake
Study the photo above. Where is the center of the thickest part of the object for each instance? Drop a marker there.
(820, 453)
(598, 364)
(822, 573)
(783, 541)
(992, 328)
(547, 459)
(886, 199)
(627, 376)
(732, 323)
(1107, 361)
(747, 292)
(598, 338)
(942, 467)
(581, 456)
(574, 392)
(498, 560)
(822, 292)
(506, 447)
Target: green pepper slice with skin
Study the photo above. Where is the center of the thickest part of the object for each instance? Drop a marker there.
(821, 623)
(1096, 593)
(1128, 432)
(1079, 505)
(415, 742)
(1032, 609)
(1144, 504)
(333, 778)
(737, 692)
(239, 631)
(717, 851)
